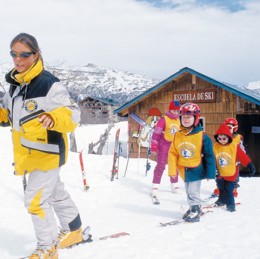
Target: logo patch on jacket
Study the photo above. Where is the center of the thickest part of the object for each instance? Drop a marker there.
(30, 106)
(187, 150)
(174, 128)
(223, 159)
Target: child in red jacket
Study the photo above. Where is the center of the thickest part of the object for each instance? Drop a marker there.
(227, 153)
(232, 123)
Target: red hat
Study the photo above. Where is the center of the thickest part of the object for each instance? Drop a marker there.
(154, 112)
(223, 130)
(174, 105)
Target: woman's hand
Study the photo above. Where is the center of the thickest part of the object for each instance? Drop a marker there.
(46, 120)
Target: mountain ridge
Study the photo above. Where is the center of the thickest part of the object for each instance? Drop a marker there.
(104, 83)
(96, 82)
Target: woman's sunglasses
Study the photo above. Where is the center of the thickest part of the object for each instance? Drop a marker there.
(21, 55)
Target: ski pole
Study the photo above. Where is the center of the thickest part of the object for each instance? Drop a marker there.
(24, 182)
(85, 185)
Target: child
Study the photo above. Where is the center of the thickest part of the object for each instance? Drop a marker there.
(232, 123)
(227, 152)
(192, 154)
(162, 137)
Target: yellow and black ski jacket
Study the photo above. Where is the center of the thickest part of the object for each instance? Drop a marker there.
(35, 147)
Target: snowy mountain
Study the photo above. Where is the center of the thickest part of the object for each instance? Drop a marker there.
(253, 86)
(96, 81)
(103, 83)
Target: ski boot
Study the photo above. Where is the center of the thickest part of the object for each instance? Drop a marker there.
(186, 214)
(231, 208)
(42, 252)
(194, 215)
(174, 188)
(219, 203)
(69, 238)
(155, 190)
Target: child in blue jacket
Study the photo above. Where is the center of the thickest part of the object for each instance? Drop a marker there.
(191, 153)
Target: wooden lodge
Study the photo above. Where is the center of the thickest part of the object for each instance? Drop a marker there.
(217, 101)
(96, 110)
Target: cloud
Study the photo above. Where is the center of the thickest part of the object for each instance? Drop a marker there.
(139, 37)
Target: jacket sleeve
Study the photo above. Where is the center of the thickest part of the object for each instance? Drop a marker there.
(208, 158)
(242, 157)
(158, 130)
(63, 110)
(4, 120)
(172, 160)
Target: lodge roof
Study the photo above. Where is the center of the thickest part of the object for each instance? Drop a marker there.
(239, 91)
(104, 100)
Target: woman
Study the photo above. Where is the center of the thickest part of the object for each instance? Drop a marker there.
(41, 113)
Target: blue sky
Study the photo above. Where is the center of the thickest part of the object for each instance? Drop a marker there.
(231, 5)
(220, 39)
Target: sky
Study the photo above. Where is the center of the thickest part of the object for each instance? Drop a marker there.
(125, 205)
(155, 38)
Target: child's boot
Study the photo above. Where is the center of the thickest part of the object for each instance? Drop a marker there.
(155, 190)
(231, 208)
(174, 188)
(194, 215)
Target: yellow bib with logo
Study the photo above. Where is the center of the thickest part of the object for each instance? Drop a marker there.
(225, 158)
(189, 148)
(171, 127)
(237, 139)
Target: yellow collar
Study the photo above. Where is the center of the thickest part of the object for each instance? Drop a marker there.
(27, 76)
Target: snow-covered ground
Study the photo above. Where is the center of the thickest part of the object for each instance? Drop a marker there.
(124, 205)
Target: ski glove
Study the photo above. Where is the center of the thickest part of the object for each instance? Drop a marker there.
(251, 168)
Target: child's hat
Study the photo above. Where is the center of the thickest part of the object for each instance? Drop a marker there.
(223, 130)
(174, 105)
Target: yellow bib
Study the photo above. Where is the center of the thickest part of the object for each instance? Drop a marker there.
(225, 158)
(237, 139)
(189, 148)
(171, 127)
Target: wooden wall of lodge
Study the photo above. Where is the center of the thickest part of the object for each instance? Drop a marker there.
(226, 105)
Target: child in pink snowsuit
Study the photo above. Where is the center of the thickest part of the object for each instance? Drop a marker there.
(162, 138)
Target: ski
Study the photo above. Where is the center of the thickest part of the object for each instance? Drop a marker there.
(171, 223)
(213, 205)
(180, 221)
(87, 238)
(148, 164)
(212, 196)
(128, 157)
(84, 179)
(139, 120)
(116, 235)
(115, 165)
(155, 200)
